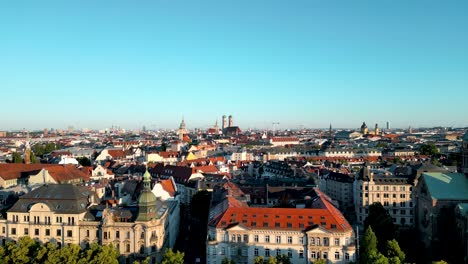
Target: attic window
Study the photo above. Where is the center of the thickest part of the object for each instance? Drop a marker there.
(223, 223)
(323, 223)
(333, 226)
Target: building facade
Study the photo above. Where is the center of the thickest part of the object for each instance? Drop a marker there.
(241, 233)
(68, 214)
(395, 193)
(339, 187)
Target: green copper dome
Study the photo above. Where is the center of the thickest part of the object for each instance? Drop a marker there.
(147, 200)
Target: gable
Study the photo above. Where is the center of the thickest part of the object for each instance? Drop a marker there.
(237, 227)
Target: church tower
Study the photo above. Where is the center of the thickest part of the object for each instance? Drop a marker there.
(182, 130)
(364, 129)
(376, 131)
(147, 200)
(27, 152)
(464, 166)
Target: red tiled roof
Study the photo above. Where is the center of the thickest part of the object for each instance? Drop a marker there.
(60, 173)
(206, 169)
(168, 186)
(283, 218)
(116, 153)
(284, 139)
(233, 190)
(9, 171)
(66, 173)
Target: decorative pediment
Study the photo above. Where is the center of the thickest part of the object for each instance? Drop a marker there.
(237, 227)
(317, 229)
(39, 207)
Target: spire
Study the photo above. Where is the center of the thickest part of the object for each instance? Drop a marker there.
(147, 180)
(182, 124)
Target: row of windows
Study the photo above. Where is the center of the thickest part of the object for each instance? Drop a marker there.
(387, 188)
(387, 195)
(37, 232)
(47, 220)
(289, 240)
(268, 252)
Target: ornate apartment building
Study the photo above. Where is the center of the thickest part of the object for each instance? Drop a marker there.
(242, 233)
(395, 193)
(68, 214)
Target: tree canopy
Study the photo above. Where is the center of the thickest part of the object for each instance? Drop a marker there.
(382, 225)
(429, 149)
(171, 257)
(16, 158)
(29, 251)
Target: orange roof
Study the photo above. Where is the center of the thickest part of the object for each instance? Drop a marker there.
(206, 169)
(168, 187)
(58, 172)
(283, 218)
(9, 171)
(284, 139)
(116, 153)
(66, 173)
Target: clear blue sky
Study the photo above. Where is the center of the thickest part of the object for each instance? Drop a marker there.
(307, 62)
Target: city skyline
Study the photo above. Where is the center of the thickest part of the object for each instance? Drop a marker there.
(308, 63)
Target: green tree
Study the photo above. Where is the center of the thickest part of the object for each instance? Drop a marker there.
(429, 149)
(227, 261)
(33, 158)
(259, 260)
(283, 259)
(171, 257)
(22, 252)
(440, 262)
(16, 158)
(382, 225)
(394, 251)
(368, 247)
(272, 260)
(320, 261)
(145, 261)
(375, 257)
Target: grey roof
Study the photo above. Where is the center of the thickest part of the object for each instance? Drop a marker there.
(60, 198)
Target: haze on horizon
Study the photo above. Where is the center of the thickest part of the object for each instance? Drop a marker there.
(304, 64)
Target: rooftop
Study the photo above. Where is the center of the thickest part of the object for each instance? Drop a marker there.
(447, 186)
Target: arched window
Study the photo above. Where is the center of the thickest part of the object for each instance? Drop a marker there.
(127, 248)
(142, 249)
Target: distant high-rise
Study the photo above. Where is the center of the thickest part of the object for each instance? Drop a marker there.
(45, 132)
(224, 124)
(230, 121)
(388, 125)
